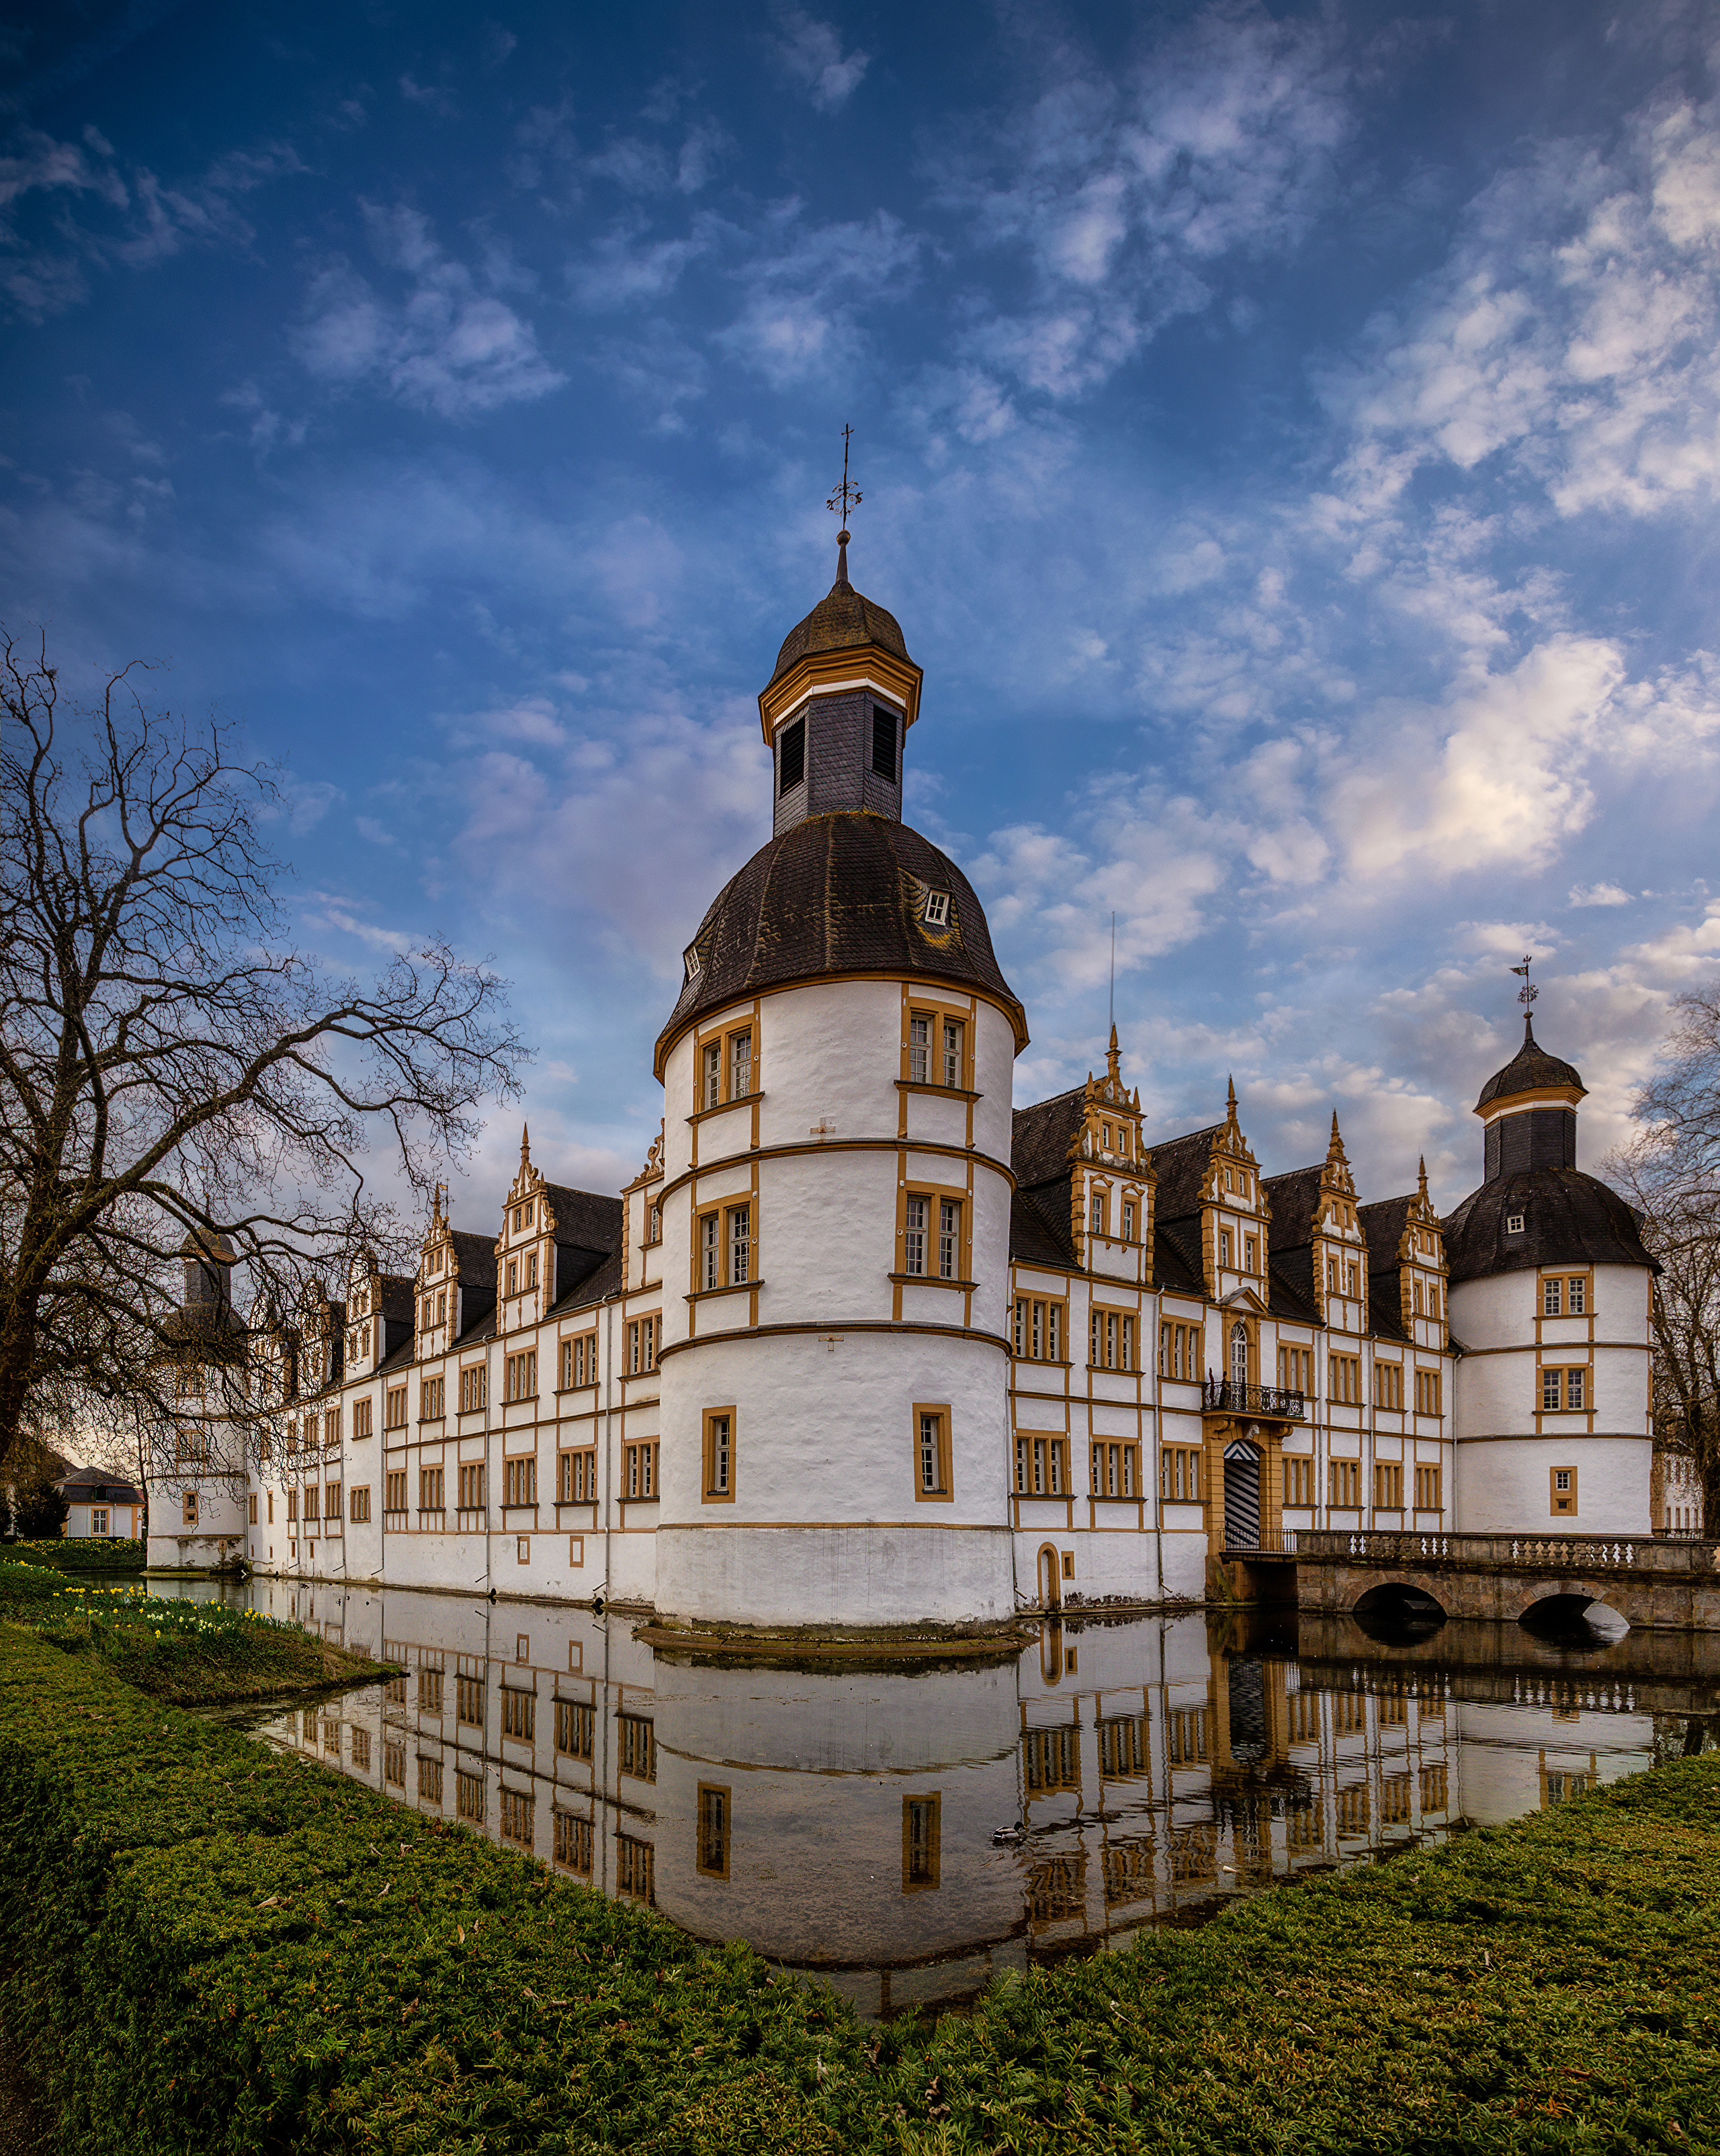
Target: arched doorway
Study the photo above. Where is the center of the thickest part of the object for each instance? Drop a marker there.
(1050, 1577)
(1242, 1494)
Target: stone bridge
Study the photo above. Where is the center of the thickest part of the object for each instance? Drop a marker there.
(1655, 1584)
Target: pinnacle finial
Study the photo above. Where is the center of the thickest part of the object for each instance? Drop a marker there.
(1421, 1175)
(525, 1145)
(1334, 1149)
(1113, 1056)
(847, 496)
(1231, 1103)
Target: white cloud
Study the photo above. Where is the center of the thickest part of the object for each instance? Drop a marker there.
(805, 285)
(1598, 894)
(811, 52)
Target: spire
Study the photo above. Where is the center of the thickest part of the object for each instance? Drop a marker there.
(525, 1145)
(1112, 1057)
(1421, 1177)
(1335, 1155)
(1231, 1104)
(847, 496)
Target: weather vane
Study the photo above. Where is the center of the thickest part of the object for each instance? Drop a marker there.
(847, 496)
(1528, 992)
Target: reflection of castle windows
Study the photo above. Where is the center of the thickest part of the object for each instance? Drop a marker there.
(331, 1737)
(1394, 1711)
(360, 1750)
(711, 1858)
(1247, 1685)
(1302, 1828)
(1122, 1746)
(1052, 1759)
(638, 1744)
(1304, 1718)
(575, 1722)
(922, 1842)
(1353, 1812)
(430, 1692)
(1394, 1800)
(394, 1764)
(1349, 1713)
(1433, 1794)
(469, 1797)
(430, 1780)
(1186, 1736)
(516, 1818)
(1055, 1888)
(469, 1701)
(1128, 1870)
(519, 1713)
(635, 1868)
(1193, 1853)
(572, 1842)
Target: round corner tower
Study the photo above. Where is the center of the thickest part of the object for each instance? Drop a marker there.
(837, 1075)
(1550, 1300)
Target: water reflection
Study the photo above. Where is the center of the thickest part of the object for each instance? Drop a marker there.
(907, 1837)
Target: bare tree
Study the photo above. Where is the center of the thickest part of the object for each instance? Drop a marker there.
(174, 1075)
(1671, 1173)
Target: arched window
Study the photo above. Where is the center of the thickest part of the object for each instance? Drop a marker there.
(1239, 1353)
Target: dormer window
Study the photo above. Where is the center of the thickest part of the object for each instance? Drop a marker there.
(513, 1279)
(529, 1202)
(691, 960)
(1513, 1224)
(937, 909)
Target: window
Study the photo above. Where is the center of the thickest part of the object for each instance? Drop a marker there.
(636, 1741)
(1427, 1490)
(1295, 1369)
(520, 1375)
(1345, 1373)
(791, 757)
(719, 1454)
(653, 1231)
(1513, 1224)
(739, 1065)
(640, 1468)
(577, 1477)
(711, 1092)
(931, 1451)
(1564, 1294)
(531, 1266)
(361, 1418)
(1250, 1249)
(914, 1236)
(711, 1854)
(189, 1513)
(919, 1049)
(431, 1399)
(1116, 1471)
(730, 1059)
(518, 1481)
(921, 1843)
(635, 1870)
(430, 1781)
(1128, 1220)
(519, 1713)
(1038, 1335)
(513, 1286)
(576, 1727)
(474, 1388)
(469, 1796)
(1566, 1390)
(394, 1408)
(1564, 1482)
(641, 1346)
(1344, 1484)
(1110, 1339)
(1298, 1481)
(516, 1818)
(358, 1504)
(740, 1243)
(710, 1262)
(394, 1491)
(469, 1701)
(884, 724)
(312, 1496)
(1179, 1351)
(429, 1693)
(954, 1034)
(1427, 1391)
(1387, 1486)
(98, 1516)
(430, 1490)
(292, 1498)
(1576, 1296)
(1096, 1212)
(471, 1486)
(937, 909)
(1388, 1387)
(579, 1360)
(1179, 1474)
(949, 1237)
(360, 1750)
(573, 1843)
(1041, 1466)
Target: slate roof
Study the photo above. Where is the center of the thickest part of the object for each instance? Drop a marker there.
(1038, 1234)
(475, 1256)
(842, 619)
(1293, 1198)
(1383, 1225)
(585, 1219)
(1040, 1137)
(399, 1299)
(84, 1486)
(1531, 1068)
(1569, 1219)
(595, 1287)
(832, 895)
(1180, 1165)
(1290, 1286)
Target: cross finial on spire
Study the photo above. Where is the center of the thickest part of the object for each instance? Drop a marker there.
(847, 496)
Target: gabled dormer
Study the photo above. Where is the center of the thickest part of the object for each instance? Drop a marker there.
(455, 1285)
(322, 1323)
(642, 1200)
(1340, 1249)
(525, 1249)
(1235, 1214)
(1421, 1270)
(1111, 1178)
(379, 1315)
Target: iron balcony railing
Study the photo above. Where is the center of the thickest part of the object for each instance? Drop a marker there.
(1262, 1542)
(1224, 1394)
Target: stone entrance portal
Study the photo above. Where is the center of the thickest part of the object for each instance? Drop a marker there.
(1242, 1494)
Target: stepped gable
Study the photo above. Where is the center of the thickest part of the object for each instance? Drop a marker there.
(1532, 1069)
(1569, 1219)
(842, 893)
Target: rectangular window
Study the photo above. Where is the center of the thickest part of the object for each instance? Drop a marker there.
(953, 1034)
(520, 1482)
(520, 1375)
(361, 1418)
(469, 1797)
(430, 1781)
(98, 1516)
(1576, 1385)
(1179, 1474)
(1551, 1391)
(1552, 1298)
(919, 1049)
(914, 1236)
(434, 1392)
(358, 1504)
(740, 1243)
(469, 1701)
(640, 1467)
(516, 1818)
(1427, 1490)
(1179, 1351)
(576, 1727)
(1116, 1471)
(641, 1346)
(311, 1500)
(519, 1714)
(949, 1238)
(921, 1843)
(791, 757)
(1096, 1210)
(1388, 1387)
(1564, 1484)
(931, 1451)
(1128, 1220)
(1041, 1465)
(1427, 1391)
(884, 725)
(1387, 1486)
(292, 1498)
(739, 1065)
(394, 1491)
(573, 1843)
(711, 1855)
(711, 1090)
(1298, 1481)
(636, 1740)
(1346, 1378)
(513, 1286)
(474, 1388)
(332, 1427)
(577, 1477)
(1250, 1247)
(635, 1870)
(394, 1408)
(1295, 1369)
(1110, 1339)
(1577, 1295)
(1038, 1335)
(710, 1252)
(1344, 1484)
(471, 1486)
(720, 1455)
(579, 1360)
(430, 1692)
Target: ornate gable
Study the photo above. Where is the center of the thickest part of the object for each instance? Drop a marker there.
(1112, 1181)
(1235, 1213)
(1340, 1249)
(1421, 1269)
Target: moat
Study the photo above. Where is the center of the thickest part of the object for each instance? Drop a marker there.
(906, 1836)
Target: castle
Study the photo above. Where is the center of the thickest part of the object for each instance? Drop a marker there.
(862, 1344)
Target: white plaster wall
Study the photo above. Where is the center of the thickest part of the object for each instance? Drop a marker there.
(1502, 1486)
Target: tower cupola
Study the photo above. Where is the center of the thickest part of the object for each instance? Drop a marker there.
(1529, 1110)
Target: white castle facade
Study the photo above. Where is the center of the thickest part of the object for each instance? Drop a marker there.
(864, 1345)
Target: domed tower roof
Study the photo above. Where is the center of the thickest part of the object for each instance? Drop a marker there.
(843, 619)
(1532, 1069)
(845, 893)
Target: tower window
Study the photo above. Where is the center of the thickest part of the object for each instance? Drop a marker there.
(937, 909)
(883, 743)
(791, 757)
(1513, 1224)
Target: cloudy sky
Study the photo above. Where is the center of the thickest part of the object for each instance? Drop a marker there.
(1289, 437)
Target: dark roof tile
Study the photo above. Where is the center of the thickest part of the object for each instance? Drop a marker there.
(1530, 1069)
(843, 619)
(1569, 1219)
(1040, 1137)
(1180, 1165)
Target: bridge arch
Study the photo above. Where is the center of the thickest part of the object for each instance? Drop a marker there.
(1399, 1605)
(1575, 1604)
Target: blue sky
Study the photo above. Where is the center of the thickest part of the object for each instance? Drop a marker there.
(1289, 439)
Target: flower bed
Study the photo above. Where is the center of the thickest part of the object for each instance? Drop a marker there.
(82, 1554)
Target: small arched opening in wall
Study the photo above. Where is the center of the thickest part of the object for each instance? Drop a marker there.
(1050, 1577)
(1575, 1616)
(1399, 1610)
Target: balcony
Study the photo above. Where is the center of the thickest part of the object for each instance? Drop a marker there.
(1264, 1402)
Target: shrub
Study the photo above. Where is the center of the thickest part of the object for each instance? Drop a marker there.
(121, 1554)
(37, 1509)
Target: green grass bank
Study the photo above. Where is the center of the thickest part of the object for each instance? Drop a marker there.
(78, 1555)
(210, 1947)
